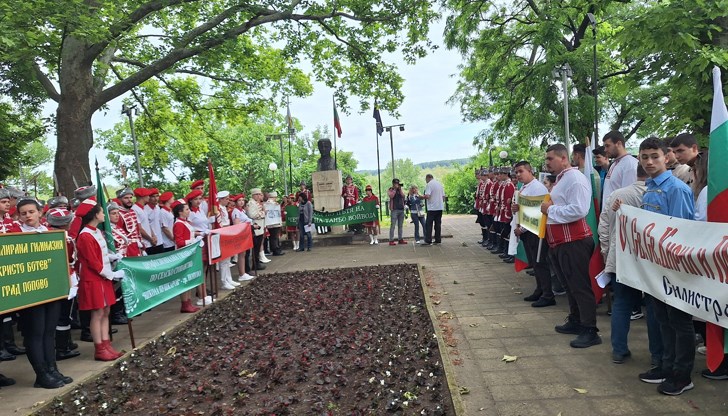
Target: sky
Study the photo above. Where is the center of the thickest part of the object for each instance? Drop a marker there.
(433, 128)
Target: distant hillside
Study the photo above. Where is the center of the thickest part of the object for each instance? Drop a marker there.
(426, 165)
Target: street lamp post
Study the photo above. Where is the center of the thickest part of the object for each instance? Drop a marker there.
(273, 167)
(391, 141)
(565, 73)
(129, 111)
(279, 137)
(595, 77)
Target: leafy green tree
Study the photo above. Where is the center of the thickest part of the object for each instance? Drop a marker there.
(84, 54)
(19, 129)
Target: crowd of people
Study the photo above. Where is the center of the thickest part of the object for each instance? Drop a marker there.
(144, 221)
(668, 176)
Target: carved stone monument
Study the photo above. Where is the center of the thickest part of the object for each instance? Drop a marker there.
(327, 183)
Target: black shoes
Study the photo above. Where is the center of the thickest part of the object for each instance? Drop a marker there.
(569, 327)
(587, 337)
(654, 375)
(280, 253)
(531, 272)
(509, 260)
(620, 358)
(6, 381)
(118, 318)
(46, 380)
(53, 371)
(721, 373)
(261, 266)
(675, 386)
(533, 297)
(6, 356)
(543, 302)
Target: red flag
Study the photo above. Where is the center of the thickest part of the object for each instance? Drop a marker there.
(337, 122)
(213, 206)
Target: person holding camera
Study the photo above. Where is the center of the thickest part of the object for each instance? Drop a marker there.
(396, 210)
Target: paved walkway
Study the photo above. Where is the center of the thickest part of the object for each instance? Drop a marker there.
(478, 301)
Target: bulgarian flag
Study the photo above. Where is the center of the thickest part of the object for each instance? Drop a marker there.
(101, 200)
(717, 200)
(337, 122)
(596, 262)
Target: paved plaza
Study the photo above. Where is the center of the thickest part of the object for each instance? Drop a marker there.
(480, 315)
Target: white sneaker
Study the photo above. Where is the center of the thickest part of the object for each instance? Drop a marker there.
(245, 277)
(227, 286)
(376, 241)
(418, 242)
(233, 282)
(264, 260)
(208, 301)
(371, 243)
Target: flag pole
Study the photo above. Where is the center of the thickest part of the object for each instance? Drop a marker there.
(333, 101)
(379, 169)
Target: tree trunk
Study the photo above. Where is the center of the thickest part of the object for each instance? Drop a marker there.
(73, 123)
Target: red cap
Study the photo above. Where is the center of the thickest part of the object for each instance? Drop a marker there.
(141, 192)
(85, 207)
(235, 197)
(153, 191)
(178, 202)
(193, 195)
(166, 197)
(199, 182)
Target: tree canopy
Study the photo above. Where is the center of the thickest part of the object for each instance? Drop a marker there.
(654, 61)
(245, 55)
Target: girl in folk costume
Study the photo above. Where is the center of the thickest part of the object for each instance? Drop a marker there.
(371, 228)
(239, 216)
(95, 288)
(291, 230)
(256, 212)
(60, 219)
(184, 235)
(38, 323)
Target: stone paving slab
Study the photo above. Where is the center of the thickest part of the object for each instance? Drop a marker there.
(486, 319)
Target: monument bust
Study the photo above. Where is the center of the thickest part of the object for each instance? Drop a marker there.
(325, 162)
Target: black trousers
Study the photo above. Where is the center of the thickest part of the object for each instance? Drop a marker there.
(257, 243)
(159, 248)
(275, 239)
(541, 267)
(433, 220)
(571, 263)
(39, 334)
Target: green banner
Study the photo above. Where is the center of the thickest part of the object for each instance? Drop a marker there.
(33, 269)
(357, 214)
(291, 216)
(152, 280)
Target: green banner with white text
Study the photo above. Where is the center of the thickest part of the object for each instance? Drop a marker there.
(356, 214)
(33, 269)
(152, 280)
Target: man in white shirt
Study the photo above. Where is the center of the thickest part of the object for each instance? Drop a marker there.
(571, 245)
(166, 221)
(154, 216)
(623, 171)
(544, 294)
(435, 197)
(142, 198)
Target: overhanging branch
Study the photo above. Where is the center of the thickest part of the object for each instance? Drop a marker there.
(46, 83)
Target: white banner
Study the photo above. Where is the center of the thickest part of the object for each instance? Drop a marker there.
(680, 262)
(272, 214)
(529, 213)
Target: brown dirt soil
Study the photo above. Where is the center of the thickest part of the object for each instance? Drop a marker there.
(355, 341)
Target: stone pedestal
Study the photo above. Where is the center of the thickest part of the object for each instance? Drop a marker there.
(327, 193)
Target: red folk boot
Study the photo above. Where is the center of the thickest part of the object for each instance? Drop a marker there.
(103, 354)
(111, 349)
(188, 307)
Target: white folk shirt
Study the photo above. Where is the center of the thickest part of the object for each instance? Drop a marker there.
(198, 218)
(154, 215)
(621, 174)
(437, 196)
(143, 223)
(166, 220)
(571, 197)
(240, 216)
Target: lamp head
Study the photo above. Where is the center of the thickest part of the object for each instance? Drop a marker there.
(401, 128)
(272, 166)
(503, 154)
(592, 19)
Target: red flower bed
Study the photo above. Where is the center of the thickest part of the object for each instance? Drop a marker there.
(353, 341)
